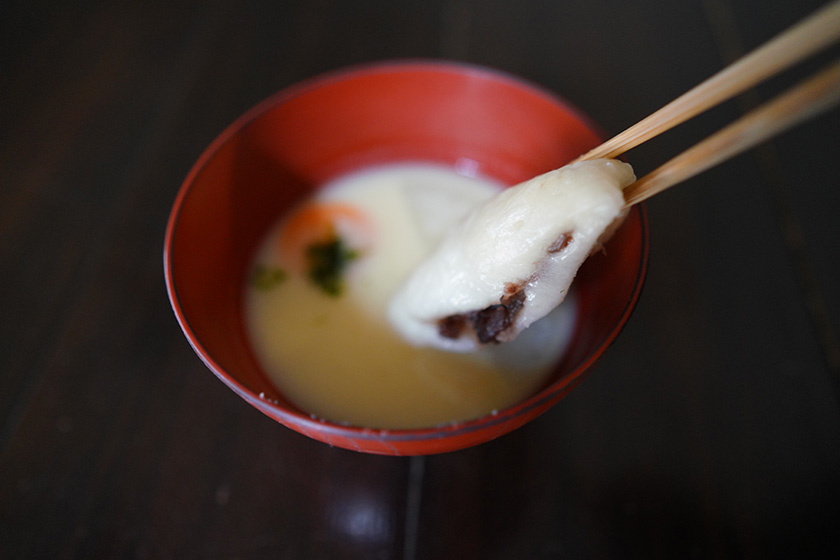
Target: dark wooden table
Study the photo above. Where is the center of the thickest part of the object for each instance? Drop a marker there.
(711, 429)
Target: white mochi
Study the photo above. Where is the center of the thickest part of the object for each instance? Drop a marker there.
(512, 242)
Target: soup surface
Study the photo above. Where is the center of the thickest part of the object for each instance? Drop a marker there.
(319, 292)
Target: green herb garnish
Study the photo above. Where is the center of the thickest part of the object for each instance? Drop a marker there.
(327, 261)
(266, 277)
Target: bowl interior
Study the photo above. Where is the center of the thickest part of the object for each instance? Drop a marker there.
(283, 149)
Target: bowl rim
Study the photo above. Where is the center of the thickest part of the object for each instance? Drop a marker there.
(328, 427)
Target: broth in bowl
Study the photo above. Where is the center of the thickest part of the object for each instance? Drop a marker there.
(319, 290)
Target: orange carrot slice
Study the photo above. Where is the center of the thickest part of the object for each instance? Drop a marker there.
(319, 222)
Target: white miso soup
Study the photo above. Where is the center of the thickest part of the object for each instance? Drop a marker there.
(318, 295)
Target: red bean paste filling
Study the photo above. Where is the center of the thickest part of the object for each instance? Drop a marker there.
(487, 323)
(561, 242)
(490, 322)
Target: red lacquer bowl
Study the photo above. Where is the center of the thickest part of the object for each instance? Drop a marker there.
(283, 149)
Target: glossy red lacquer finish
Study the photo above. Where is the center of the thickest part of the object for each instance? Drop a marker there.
(281, 150)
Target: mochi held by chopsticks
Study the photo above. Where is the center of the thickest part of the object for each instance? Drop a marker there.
(512, 260)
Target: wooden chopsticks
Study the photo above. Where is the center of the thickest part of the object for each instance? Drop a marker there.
(798, 104)
(794, 106)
